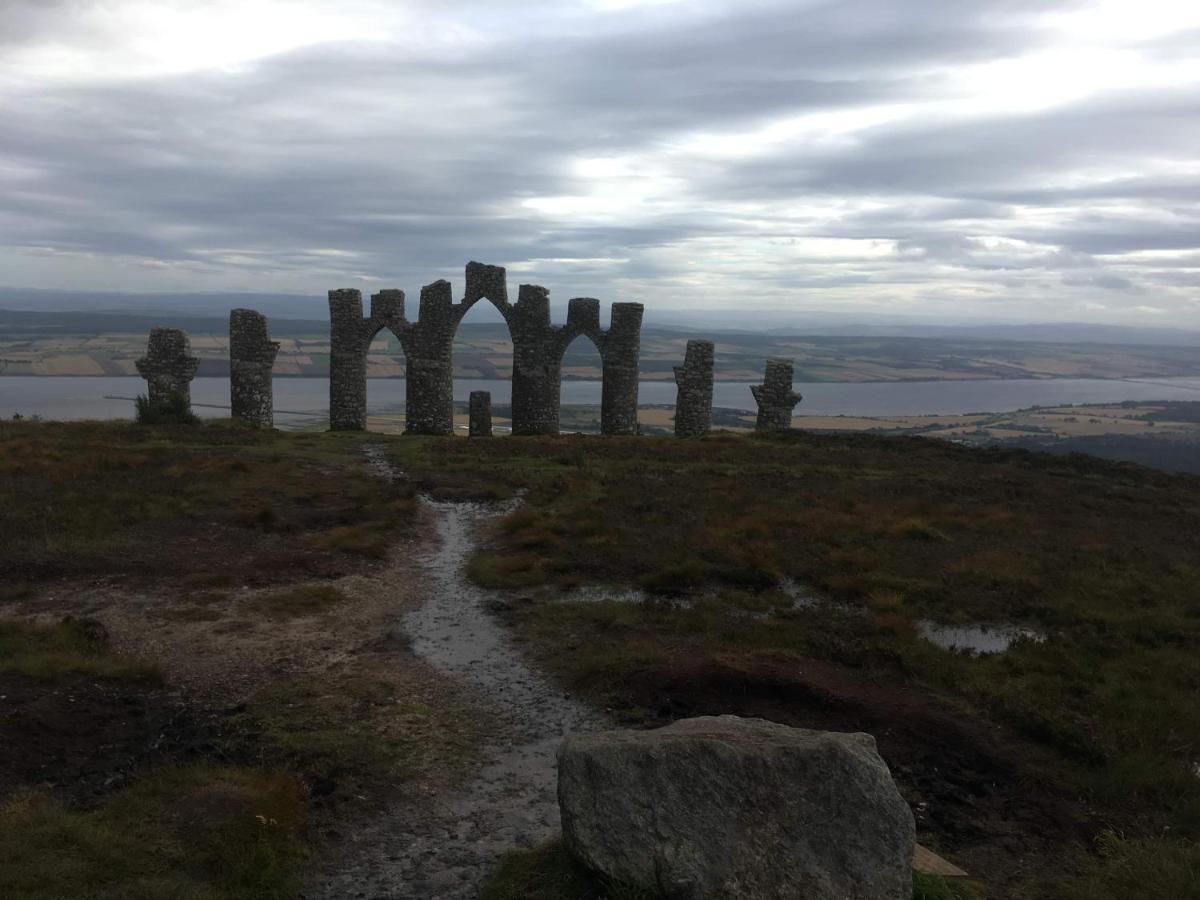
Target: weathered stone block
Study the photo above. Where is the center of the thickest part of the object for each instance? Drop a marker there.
(388, 306)
(486, 282)
(738, 809)
(583, 315)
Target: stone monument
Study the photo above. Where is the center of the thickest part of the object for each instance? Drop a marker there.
(775, 397)
(693, 403)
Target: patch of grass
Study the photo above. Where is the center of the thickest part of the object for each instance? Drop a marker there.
(304, 600)
(548, 872)
(368, 726)
(88, 498)
(1154, 867)
(676, 578)
(174, 409)
(931, 887)
(506, 571)
(196, 833)
(71, 647)
(361, 540)
(915, 528)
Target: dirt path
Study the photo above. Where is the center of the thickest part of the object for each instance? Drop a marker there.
(443, 845)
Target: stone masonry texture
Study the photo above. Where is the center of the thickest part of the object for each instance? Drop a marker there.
(693, 405)
(480, 414)
(168, 365)
(251, 357)
(538, 348)
(775, 397)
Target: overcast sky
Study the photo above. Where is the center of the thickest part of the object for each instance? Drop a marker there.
(998, 160)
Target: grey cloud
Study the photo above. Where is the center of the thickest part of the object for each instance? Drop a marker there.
(410, 163)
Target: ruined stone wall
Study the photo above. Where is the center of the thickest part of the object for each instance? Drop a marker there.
(168, 365)
(775, 397)
(251, 358)
(538, 348)
(693, 404)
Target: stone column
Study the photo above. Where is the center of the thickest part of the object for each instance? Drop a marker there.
(619, 357)
(693, 403)
(429, 401)
(480, 414)
(775, 397)
(537, 363)
(251, 357)
(168, 366)
(347, 362)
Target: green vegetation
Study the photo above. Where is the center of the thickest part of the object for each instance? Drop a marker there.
(360, 726)
(84, 498)
(304, 600)
(187, 833)
(549, 873)
(931, 887)
(72, 647)
(1141, 868)
(171, 410)
(887, 533)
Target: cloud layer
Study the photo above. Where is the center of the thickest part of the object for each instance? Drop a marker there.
(1001, 160)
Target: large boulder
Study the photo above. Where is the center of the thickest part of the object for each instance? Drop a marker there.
(725, 807)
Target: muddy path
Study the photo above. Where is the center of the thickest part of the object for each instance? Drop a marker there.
(442, 845)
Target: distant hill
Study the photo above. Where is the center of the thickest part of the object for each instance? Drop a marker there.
(184, 308)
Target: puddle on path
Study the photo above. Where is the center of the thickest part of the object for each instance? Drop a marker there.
(976, 638)
(445, 846)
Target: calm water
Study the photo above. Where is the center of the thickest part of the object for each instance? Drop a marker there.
(83, 398)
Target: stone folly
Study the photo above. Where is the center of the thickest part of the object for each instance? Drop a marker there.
(251, 357)
(168, 366)
(538, 348)
(775, 397)
(693, 404)
(480, 413)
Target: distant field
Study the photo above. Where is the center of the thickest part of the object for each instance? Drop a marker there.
(484, 351)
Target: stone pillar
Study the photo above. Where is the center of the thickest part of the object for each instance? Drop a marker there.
(693, 403)
(775, 397)
(168, 366)
(619, 356)
(251, 357)
(537, 363)
(347, 362)
(480, 414)
(429, 401)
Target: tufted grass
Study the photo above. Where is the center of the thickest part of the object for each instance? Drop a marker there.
(70, 647)
(182, 833)
(549, 873)
(101, 497)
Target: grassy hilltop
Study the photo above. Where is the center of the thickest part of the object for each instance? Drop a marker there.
(245, 695)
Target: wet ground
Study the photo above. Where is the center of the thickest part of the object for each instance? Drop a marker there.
(444, 844)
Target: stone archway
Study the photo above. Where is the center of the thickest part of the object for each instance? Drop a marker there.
(538, 348)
